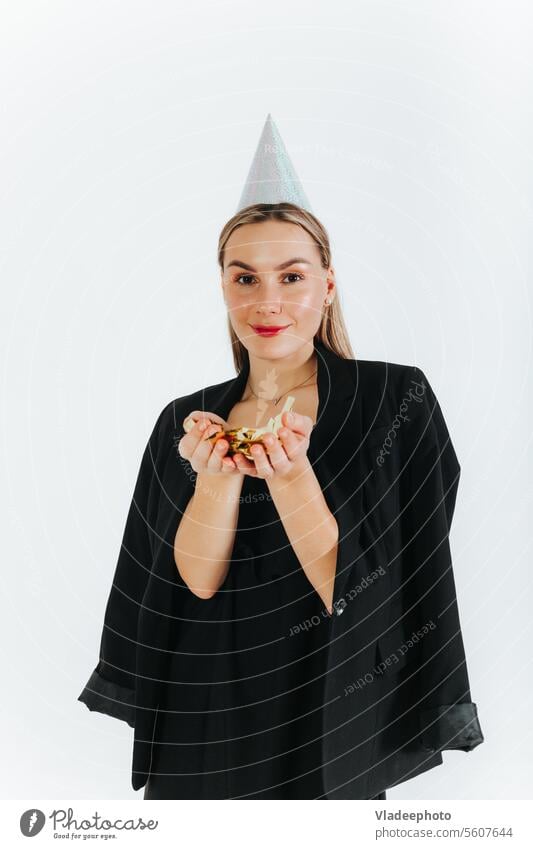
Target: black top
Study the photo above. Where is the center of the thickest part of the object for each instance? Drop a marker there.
(265, 632)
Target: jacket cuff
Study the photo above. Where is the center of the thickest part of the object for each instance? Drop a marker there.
(105, 696)
(450, 727)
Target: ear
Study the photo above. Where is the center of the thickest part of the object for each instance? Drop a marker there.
(332, 286)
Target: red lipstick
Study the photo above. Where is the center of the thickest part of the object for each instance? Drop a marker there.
(269, 329)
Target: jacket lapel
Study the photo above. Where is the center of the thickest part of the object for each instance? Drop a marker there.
(335, 452)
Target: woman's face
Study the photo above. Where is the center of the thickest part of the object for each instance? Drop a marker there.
(273, 277)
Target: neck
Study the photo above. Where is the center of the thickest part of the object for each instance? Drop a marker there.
(273, 378)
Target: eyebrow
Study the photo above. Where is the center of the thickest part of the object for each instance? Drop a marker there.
(293, 261)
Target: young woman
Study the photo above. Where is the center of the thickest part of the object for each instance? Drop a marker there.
(222, 644)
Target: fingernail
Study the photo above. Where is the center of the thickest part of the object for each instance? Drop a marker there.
(203, 425)
(290, 418)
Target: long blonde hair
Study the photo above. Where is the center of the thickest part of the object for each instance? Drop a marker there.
(332, 330)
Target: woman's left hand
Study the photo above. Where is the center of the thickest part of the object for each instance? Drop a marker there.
(283, 455)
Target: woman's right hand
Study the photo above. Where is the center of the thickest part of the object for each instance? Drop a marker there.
(203, 455)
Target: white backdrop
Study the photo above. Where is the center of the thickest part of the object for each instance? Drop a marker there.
(128, 130)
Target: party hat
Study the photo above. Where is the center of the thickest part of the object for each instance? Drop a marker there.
(272, 178)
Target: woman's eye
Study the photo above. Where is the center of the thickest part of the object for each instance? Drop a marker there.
(246, 279)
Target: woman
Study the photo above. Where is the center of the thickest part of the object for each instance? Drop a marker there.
(220, 644)
(273, 275)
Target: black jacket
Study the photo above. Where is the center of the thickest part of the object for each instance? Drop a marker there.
(397, 690)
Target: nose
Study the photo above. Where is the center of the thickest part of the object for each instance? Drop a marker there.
(268, 308)
(270, 302)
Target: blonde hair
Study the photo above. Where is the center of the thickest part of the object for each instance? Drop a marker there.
(332, 331)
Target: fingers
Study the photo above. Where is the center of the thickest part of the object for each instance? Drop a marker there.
(210, 455)
(262, 463)
(215, 457)
(294, 434)
(189, 443)
(290, 443)
(269, 457)
(244, 465)
(272, 455)
(197, 415)
(196, 427)
(302, 425)
(196, 446)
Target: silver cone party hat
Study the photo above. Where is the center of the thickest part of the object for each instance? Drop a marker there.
(272, 178)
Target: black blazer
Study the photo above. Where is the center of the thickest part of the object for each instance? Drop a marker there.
(397, 690)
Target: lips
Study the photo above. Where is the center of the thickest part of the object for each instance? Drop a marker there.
(268, 330)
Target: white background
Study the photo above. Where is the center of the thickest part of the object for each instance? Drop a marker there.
(127, 133)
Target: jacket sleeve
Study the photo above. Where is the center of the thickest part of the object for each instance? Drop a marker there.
(430, 478)
(111, 686)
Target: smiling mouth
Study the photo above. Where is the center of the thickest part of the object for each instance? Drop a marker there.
(263, 330)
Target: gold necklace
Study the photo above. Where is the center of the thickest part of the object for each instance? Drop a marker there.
(277, 400)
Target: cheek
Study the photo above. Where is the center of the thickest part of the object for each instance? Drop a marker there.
(238, 295)
(304, 304)
(237, 300)
(239, 304)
